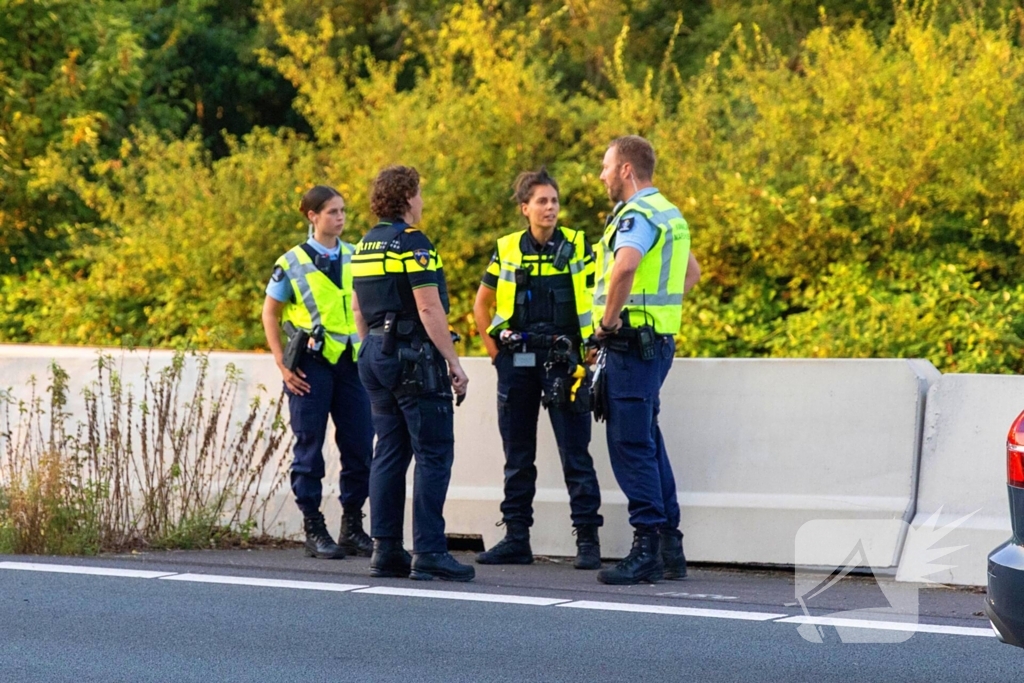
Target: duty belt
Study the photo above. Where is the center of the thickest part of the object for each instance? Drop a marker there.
(544, 341)
(415, 330)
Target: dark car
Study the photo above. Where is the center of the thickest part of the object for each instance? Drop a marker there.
(1005, 602)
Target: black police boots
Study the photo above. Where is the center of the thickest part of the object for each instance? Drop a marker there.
(389, 558)
(672, 554)
(428, 566)
(588, 547)
(352, 538)
(513, 549)
(318, 542)
(643, 563)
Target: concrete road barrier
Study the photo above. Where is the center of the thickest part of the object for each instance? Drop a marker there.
(963, 475)
(759, 447)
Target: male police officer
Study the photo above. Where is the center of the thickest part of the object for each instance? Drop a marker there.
(540, 281)
(644, 267)
(403, 300)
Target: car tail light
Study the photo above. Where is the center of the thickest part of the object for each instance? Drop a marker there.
(1015, 453)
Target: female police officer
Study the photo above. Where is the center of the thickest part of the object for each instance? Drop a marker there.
(403, 317)
(311, 292)
(539, 285)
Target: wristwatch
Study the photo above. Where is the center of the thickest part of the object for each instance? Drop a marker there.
(605, 328)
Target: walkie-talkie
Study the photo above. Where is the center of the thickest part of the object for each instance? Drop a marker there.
(563, 254)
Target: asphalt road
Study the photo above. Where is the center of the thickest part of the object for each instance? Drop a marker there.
(316, 621)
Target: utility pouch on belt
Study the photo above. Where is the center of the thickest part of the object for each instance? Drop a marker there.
(599, 387)
(387, 347)
(558, 395)
(295, 349)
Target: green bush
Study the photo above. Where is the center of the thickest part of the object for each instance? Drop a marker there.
(854, 192)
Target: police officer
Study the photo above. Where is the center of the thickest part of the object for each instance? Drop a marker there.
(310, 292)
(644, 266)
(403, 297)
(541, 283)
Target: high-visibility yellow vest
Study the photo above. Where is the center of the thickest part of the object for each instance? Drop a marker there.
(659, 281)
(510, 259)
(318, 301)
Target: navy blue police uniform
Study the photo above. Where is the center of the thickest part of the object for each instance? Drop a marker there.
(411, 418)
(545, 311)
(336, 392)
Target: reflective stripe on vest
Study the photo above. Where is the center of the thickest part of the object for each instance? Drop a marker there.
(510, 259)
(318, 301)
(659, 280)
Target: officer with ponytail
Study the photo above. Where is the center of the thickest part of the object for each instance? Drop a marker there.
(310, 295)
(535, 304)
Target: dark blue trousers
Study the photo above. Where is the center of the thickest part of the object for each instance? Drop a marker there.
(408, 426)
(336, 392)
(635, 445)
(519, 400)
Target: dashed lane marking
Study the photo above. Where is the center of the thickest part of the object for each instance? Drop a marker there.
(265, 583)
(680, 611)
(462, 595)
(890, 626)
(73, 569)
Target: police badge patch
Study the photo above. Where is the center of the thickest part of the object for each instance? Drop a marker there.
(625, 225)
(278, 274)
(422, 257)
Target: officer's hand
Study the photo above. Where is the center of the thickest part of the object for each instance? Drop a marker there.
(601, 333)
(295, 381)
(460, 381)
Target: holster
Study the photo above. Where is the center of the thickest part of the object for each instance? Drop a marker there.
(419, 376)
(295, 349)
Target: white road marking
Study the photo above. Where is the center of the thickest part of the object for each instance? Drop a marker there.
(500, 598)
(889, 626)
(679, 611)
(461, 595)
(73, 569)
(265, 583)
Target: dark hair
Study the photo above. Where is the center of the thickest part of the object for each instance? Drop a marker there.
(392, 189)
(639, 153)
(522, 188)
(315, 199)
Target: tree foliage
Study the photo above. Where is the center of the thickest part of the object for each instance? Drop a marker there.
(850, 171)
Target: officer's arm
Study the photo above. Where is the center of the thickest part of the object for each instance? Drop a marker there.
(692, 273)
(271, 327)
(361, 327)
(627, 260)
(435, 321)
(482, 309)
